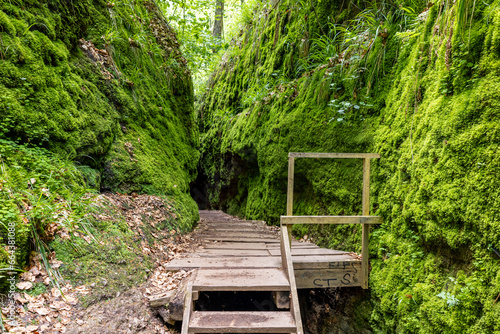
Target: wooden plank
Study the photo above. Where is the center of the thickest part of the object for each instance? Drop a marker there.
(295, 244)
(366, 228)
(242, 322)
(161, 299)
(308, 252)
(188, 306)
(326, 261)
(241, 235)
(289, 194)
(233, 262)
(229, 224)
(334, 155)
(232, 230)
(236, 245)
(299, 262)
(326, 278)
(252, 240)
(233, 252)
(281, 299)
(268, 279)
(288, 266)
(365, 219)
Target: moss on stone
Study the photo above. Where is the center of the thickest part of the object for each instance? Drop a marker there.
(104, 87)
(428, 106)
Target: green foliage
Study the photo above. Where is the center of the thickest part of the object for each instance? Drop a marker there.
(93, 94)
(399, 79)
(111, 92)
(37, 190)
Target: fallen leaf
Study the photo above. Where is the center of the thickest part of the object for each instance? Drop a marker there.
(31, 328)
(27, 276)
(58, 305)
(24, 285)
(42, 311)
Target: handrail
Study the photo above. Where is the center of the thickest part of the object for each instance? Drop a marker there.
(292, 220)
(365, 220)
(334, 155)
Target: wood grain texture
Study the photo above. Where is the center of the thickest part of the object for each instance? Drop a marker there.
(242, 322)
(327, 278)
(365, 219)
(366, 228)
(251, 279)
(288, 266)
(334, 155)
(188, 306)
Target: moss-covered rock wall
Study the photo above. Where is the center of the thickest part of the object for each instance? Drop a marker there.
(103, 84)
(93, 94)
(417, 83)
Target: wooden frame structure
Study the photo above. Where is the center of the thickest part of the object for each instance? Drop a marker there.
(365, 220)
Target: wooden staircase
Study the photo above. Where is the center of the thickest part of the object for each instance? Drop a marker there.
(239, 279)
(248, 256)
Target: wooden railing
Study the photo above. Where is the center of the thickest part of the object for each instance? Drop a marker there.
(365, 220)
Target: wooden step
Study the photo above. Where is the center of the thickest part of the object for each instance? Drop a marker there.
(242, 322)
(268, 279)
(308, 252)
(243, 239)
(224, 262)
(238, 234)
(233, 252)
(235, 245)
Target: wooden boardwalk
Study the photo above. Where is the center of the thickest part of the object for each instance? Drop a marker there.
(230, 246)
(238, 255)
(241, 255)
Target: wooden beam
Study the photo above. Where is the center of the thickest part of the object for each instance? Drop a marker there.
(326, 278)
(288, 267)
(188, 305)
(334, 155)
(289, 195)
(161, 299)
(365, 251)
(365, 219)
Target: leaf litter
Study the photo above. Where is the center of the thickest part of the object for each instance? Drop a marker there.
(57, 310)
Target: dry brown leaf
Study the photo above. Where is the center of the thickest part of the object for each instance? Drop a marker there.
(58, 305)
(42, 310)
(31, 328)
(27, 276)
(55, 292)
(20, 299)
(24, 285)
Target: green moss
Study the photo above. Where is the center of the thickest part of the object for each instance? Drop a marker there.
(429, 107)
(56, 96)
(103, 87)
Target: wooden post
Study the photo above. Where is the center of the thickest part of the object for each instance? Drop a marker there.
(188, 305)
(286, 255)
(289, 194)
(366, 227)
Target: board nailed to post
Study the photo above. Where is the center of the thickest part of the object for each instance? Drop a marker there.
(365, 220)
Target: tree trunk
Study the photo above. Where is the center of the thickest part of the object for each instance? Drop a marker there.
(219, 19)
